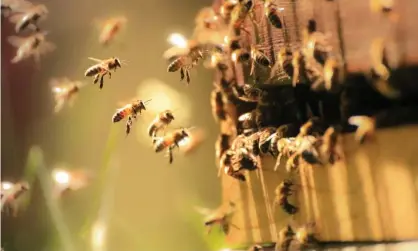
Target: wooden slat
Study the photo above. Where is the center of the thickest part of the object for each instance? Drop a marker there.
(370, 196)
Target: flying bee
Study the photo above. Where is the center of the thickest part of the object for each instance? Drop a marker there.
(271, 12)
(29, 17)
(64, 91)
(110, 28)
(218, 105)
(239, 14)
(102, 68)
(66, 180)
(285, 238)
(131, 111)
(10, 193)
(162, 120)
(329, 145)
(220, 216)
(282, 193)
(170, 141)
(34, 45)
(12, 6)
(226, 8)
(260, 58)
(366, 127)
(306, 236)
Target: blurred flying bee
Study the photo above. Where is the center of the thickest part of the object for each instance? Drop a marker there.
(329, 145)
(226, 164)
(66, 180)
(102, 68)
(226, 9)
(170, 141)
(282, 193)
(271, 12)
(162, 120)
(285, 238)
(239, 14)
(284, 62)
(12, 6)
(240, 56)
(218, 105)
(34, 45)
(64, 91)
(131, 111)
(221, 145)
(29, 17)
(220, 216)
(366, 127)
(207, 19)
(285, 147)
(10, 193)
(110, 29)
(306, 236)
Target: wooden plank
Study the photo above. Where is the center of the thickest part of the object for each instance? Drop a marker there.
(370, 196)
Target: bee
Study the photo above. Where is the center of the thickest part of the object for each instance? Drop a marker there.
(102, 68)
(285, 238)
(222, 145)
(218, 105)
(66, 180)
(34, 45)
(240, 56)
(12, 6)
(306, 236)
(245, 160)
(29, 17)
(64, 91)
(219, 217)
(247, 93)
(271, 10)
(131, 111)
(110, 29)
(162, 120)
(265, 137)
(260, 58)
(284, 62)
(282, 192)
(366, 127)
(329, 145)
(238, 15)
(226, 8)
(191, 143)
(169, 142)
(10, 193)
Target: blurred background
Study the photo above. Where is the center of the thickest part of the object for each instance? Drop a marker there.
(151, 207)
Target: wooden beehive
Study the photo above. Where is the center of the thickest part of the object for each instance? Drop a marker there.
(372, 194)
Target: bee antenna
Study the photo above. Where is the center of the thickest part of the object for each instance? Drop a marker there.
(148, 100)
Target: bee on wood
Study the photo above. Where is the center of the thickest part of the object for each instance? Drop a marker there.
(282, 193)
(110, 29)
(271, 12)
(245, 160)
(260, 58)
(64, 91)
(162, 120)
(366, 127)
(238, 15)
(102, 68)
(29, 17)
(218, 105)
(240, 56)
(247, 93)
(221, 217)
(10, 193)
(131, 111)
(222, 145)
(34, 45)
(285, 238)
(285, 147)
(248, 122)
(284, 62)
(169, 142)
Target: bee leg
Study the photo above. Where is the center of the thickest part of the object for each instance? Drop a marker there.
(234, 226)
(128, 125)
(181, 74)
(101, 82)
(252, 66)
(96, 78)
(188, 76)
(170, 155)
(110, 74)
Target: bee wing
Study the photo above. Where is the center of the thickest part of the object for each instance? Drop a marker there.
(175, 52)
(15, 18)
(46, 47)
(18, 5)
(204, 211)
(95, 59)
(16, 41)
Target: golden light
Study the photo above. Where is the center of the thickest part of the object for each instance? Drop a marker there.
(178, 40)
(98, 235)
(61, 177)
(225, 249)
(6, 185)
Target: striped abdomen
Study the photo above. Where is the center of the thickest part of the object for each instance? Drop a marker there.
(274, 18)
(262, 59)
(176, 64)
(121, 115)
(160, 145)
(93, 70)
